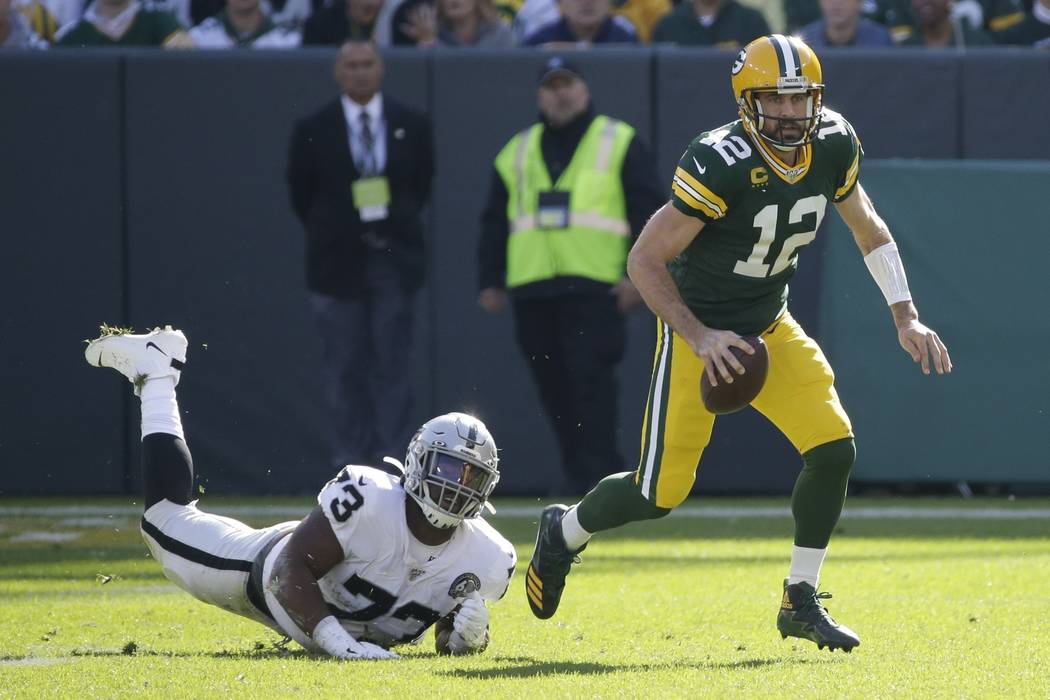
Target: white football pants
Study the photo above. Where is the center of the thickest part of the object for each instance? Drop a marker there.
(209, 556)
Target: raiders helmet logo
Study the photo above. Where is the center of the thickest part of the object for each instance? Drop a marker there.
(464, 585)
(738, 65)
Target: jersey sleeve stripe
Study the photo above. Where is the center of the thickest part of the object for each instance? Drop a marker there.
(697, 196)
(700, 189)
(851, 176)
(997, 24)
(683, 193)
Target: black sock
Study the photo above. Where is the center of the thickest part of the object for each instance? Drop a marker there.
(167, 469)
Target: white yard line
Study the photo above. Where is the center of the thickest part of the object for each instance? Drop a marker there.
(861, 513)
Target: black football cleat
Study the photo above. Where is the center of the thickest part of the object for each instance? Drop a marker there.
(802, 615)
(551, 561)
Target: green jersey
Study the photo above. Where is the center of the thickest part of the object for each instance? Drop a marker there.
(149, 27)
(757, 214)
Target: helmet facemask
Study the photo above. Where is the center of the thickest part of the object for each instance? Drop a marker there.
(451, 469)
(751, 113)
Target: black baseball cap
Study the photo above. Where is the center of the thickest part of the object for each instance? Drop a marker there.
(557, 65)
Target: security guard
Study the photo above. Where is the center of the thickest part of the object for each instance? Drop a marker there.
(568, 197)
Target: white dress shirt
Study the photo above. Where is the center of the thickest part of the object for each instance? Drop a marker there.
(352, 112)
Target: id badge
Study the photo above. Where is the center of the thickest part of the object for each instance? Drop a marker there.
(553, 210)
(371, 198)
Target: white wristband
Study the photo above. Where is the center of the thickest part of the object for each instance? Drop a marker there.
(884, 264)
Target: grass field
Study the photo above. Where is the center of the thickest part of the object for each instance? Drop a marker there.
(951, 599)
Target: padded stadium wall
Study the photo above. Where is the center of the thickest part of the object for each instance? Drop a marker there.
(140, 187)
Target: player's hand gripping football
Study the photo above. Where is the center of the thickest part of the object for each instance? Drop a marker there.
(712, 346)
(922, 344)
(470, 627)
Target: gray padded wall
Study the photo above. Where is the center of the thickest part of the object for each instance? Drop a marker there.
(479, 104)
(216, 250)
(903, 104)
(693, 94)
(1004, 113)
(214, 246)
(61, 423)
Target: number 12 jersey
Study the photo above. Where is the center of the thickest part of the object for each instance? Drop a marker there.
(758, 213)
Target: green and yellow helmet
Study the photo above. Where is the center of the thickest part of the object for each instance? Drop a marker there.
(782, 64)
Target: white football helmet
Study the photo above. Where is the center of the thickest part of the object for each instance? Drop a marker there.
(451, 468)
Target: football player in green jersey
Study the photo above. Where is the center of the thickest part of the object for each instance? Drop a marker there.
(713, 264)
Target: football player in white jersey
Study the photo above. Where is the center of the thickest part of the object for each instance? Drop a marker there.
(377, 562)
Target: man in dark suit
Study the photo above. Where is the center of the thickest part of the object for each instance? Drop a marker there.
(360, 172)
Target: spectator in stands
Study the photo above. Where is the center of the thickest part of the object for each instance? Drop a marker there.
(718, 23)
(124, 23)
(532, 15)
(1034, 30)
(507, 9)
(458, 23)
(15, 31)
(41, 21)
(938, 29)
(65, 11)
(643, 14)
(584, 22)
(343, 20)
(843, 26)
(291, 14)
(992, 15)
(799, 13)
(572, 192)
(359, 173)
(242, 24)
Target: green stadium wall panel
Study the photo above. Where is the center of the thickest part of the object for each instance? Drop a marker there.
(973, 236)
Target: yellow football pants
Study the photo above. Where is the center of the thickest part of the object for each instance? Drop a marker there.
(798, 397)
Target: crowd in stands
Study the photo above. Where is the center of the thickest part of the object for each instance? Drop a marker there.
(559, 24)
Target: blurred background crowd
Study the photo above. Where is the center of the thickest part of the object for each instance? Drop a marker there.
(287, 24)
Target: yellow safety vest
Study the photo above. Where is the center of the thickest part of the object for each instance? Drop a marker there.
(595, 242)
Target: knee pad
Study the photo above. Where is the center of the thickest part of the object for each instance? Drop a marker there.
(834, 457)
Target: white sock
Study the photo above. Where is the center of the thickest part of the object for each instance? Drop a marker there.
(805, 565)
(575, 536)
(160, 410)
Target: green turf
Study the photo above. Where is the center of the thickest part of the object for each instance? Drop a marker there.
(683, 607)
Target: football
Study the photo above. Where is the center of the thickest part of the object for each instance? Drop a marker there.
(728, 398)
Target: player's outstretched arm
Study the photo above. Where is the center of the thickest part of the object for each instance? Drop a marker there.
(884, 262)
(666, 235)
(312, 551)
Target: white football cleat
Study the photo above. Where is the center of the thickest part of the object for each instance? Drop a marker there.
(160, 353)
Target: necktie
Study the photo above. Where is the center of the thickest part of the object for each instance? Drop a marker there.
(367, 166)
